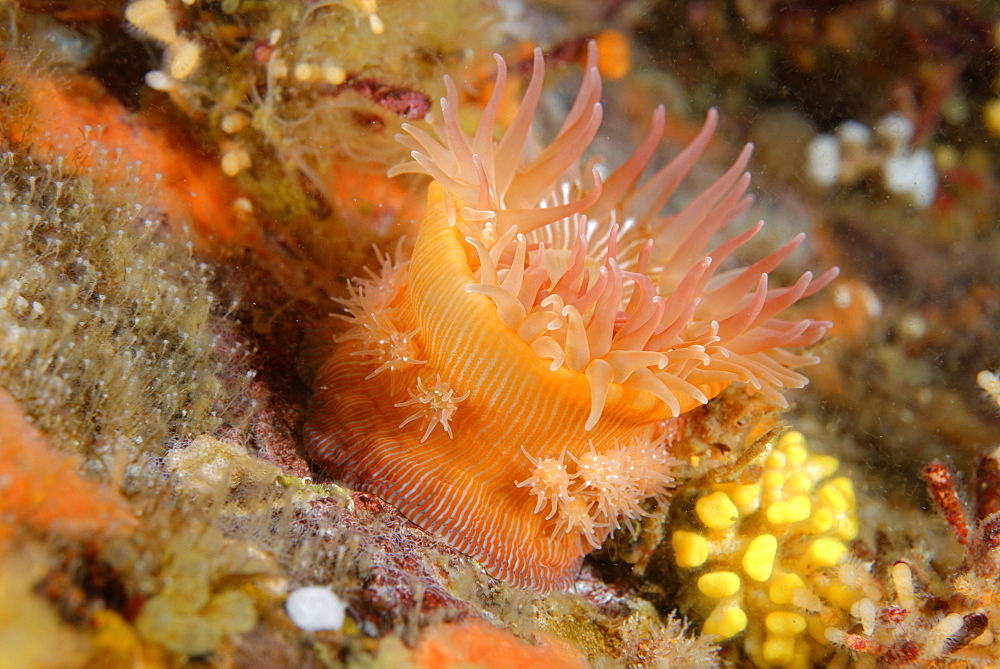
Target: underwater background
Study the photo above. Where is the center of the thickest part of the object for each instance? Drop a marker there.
(189, 189)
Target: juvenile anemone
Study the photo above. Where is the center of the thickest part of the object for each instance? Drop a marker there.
(537, 295)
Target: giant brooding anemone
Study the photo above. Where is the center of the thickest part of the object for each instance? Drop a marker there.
(506, 387)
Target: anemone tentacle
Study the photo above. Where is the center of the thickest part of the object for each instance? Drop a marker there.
(547, 287)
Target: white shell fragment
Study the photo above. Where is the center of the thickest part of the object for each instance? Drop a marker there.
(315, 608)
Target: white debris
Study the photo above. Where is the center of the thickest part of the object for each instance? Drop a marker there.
(855, 154)
(939, 635)
(315, 608)
(183, 57)
(895, 130)
(854, 134)
(912, 175)
(159, 80)
(823, 159)
(152, 17)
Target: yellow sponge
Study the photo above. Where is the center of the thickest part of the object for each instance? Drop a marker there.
(799, 483)
(822, 466)
(759, 557)
(824, 552)
(788, 511)
(778, 649)
(787, 623)
(831, 496)
(846, 486)
(719, 584)
(725, 622)
(782, 588)
(764, 555)
(690, 549)
(717, 511)
(746, 497)
(823, 520)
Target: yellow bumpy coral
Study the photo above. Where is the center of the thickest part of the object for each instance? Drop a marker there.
(762, 559)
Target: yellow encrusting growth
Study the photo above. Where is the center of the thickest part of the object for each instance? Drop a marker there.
(726, 622)
(782, 588)
(758, 560)
(772, 557)
(690, 549)
(717, 511)
(824, 553)
(719, 584)
(790, 511)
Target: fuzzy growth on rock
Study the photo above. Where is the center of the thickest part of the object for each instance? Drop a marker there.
(106, 325)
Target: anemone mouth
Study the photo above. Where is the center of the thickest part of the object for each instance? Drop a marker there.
(592, 277)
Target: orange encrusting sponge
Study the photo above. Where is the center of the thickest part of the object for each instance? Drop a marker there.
(40, 489)
(62, 114)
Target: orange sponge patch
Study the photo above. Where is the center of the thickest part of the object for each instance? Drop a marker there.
(480, 644)
(64, 113)
(40, 489)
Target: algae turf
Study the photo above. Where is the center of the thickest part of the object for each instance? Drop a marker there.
(110, 330)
